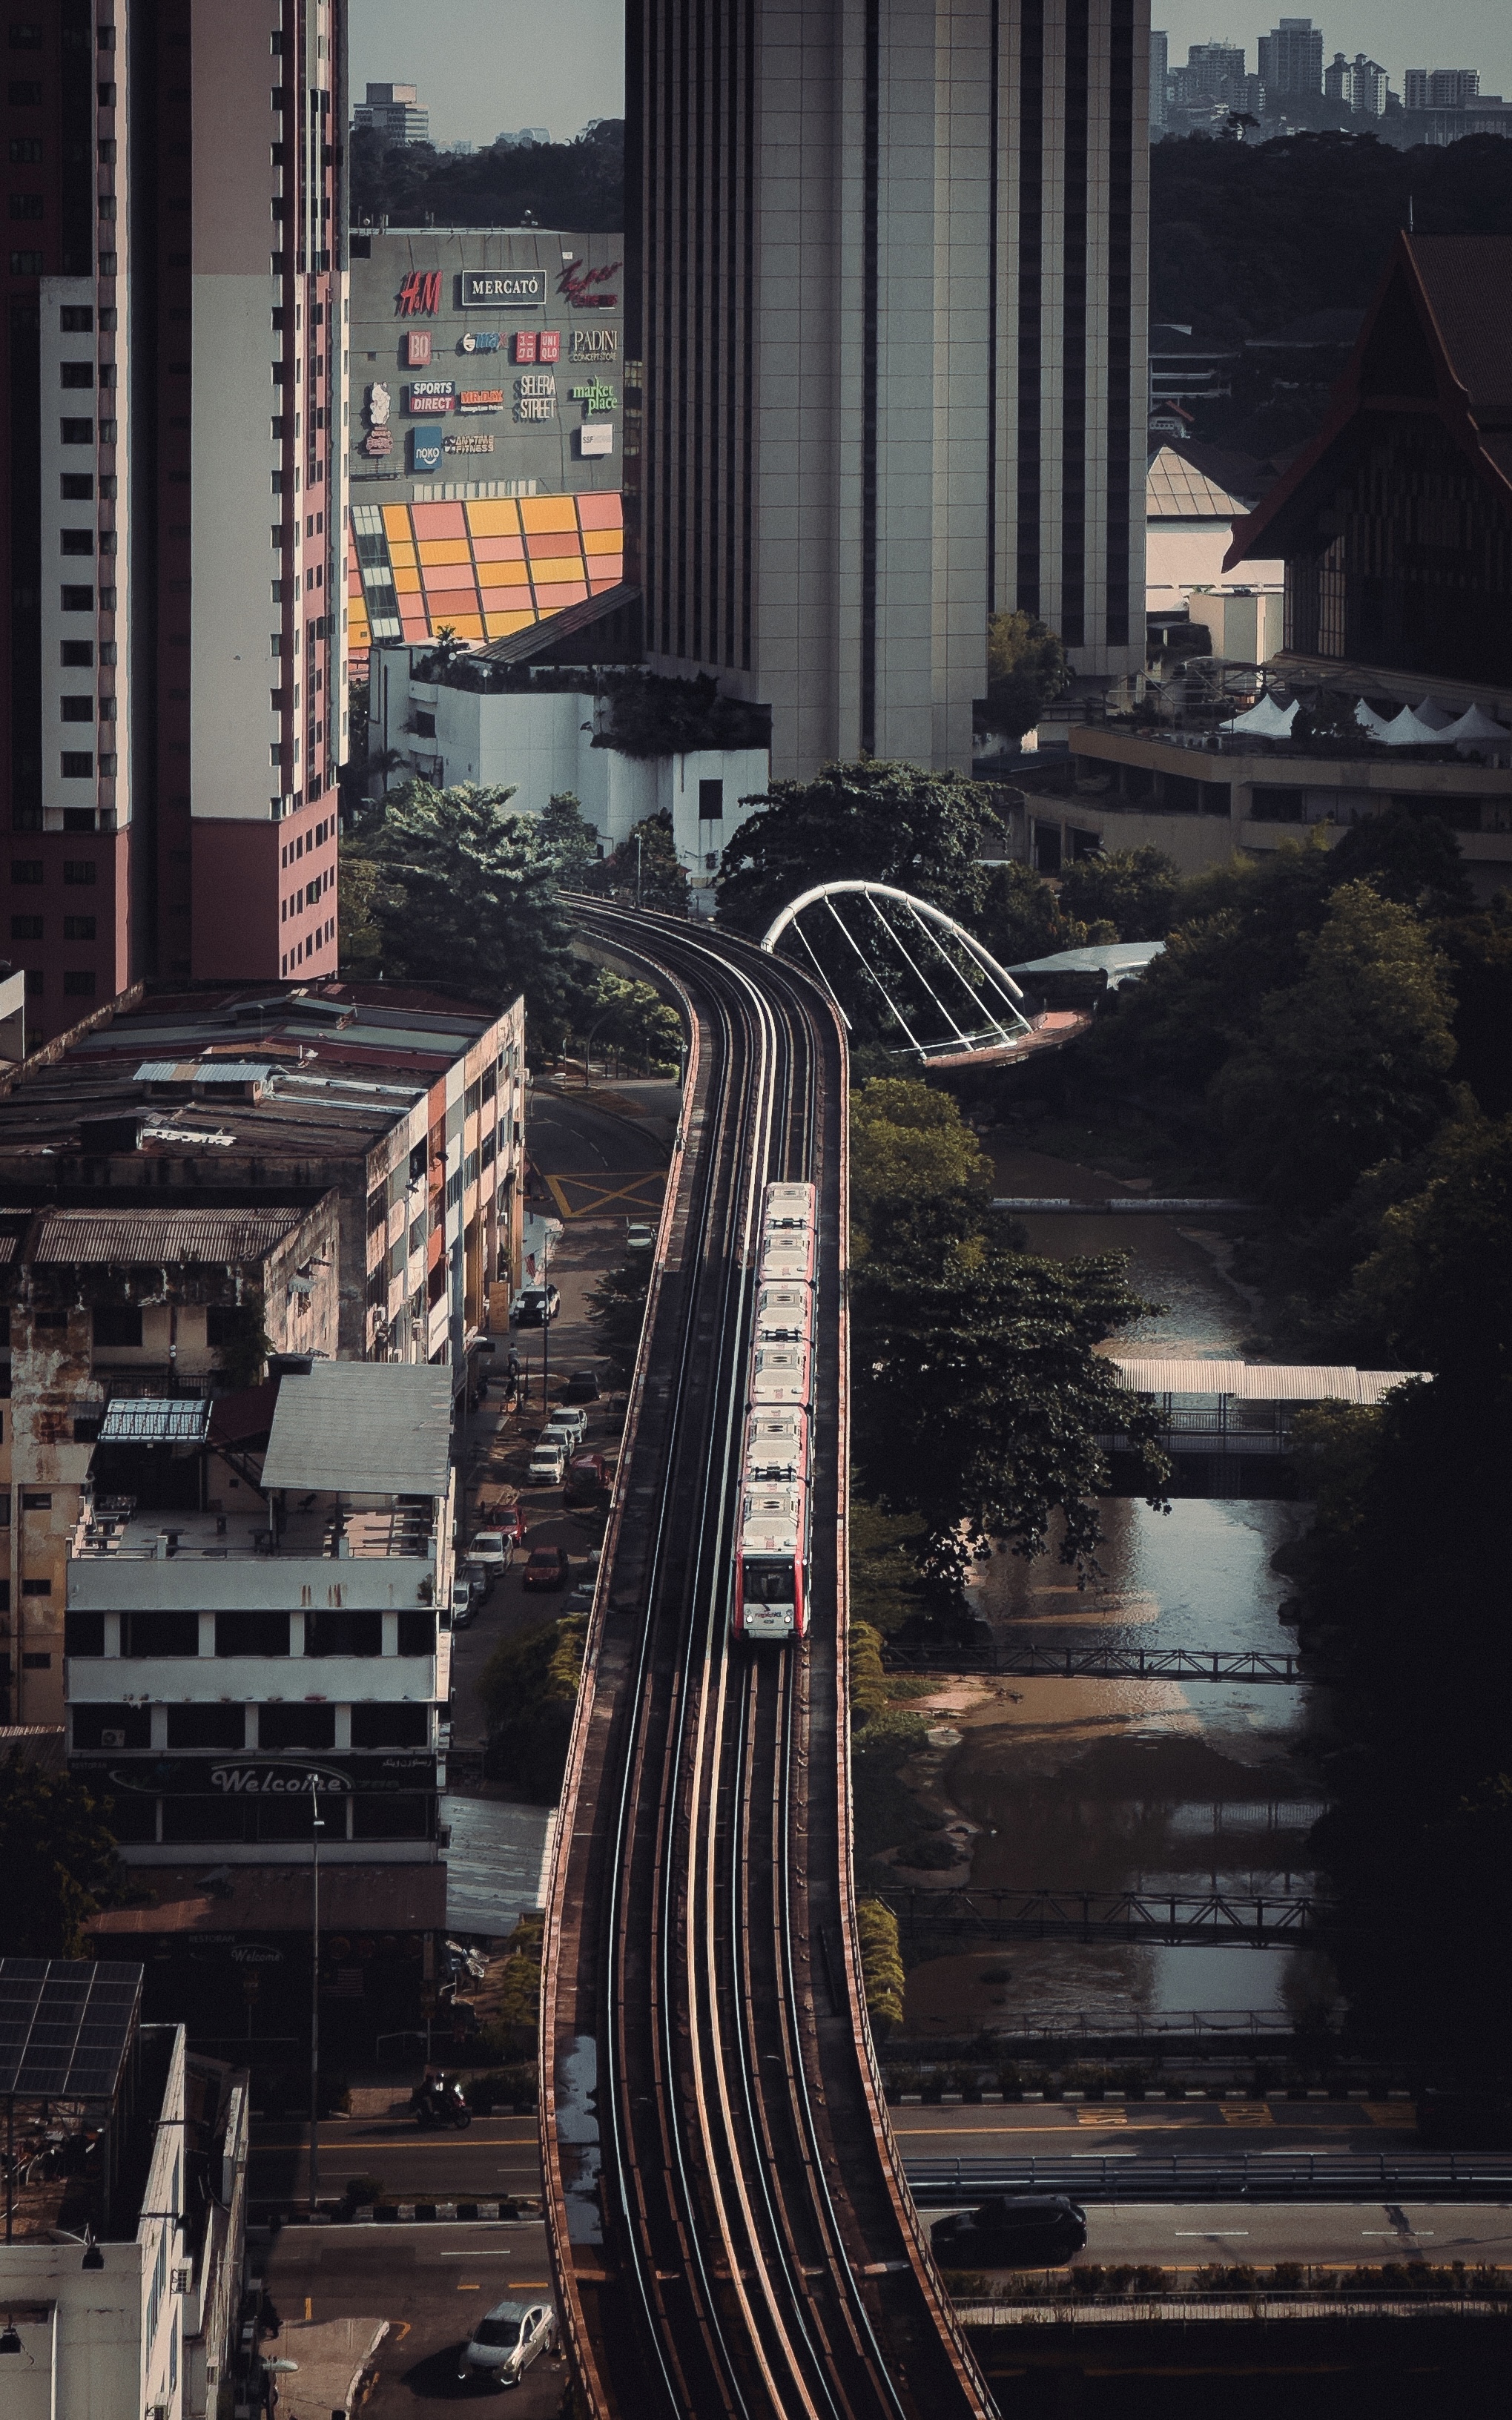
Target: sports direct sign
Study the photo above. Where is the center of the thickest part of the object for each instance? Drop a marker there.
(430, 398)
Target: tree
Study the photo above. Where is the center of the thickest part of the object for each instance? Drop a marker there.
(1020, 916)
(1436, 1293)
(1412, 858)
(466, 899)
(919, 1176)
(630, 1016)
(569, 840)
(1026, 669)
(60, 1854)
(617, 1310)
(871, 821)
(529, 1692)
(575, 184)
(656, 714)
(1133, 890)
(1347, 1067)
(645, 868)
(1479, 951)
(984, 1398)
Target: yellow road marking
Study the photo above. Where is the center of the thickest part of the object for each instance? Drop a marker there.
(309, 2308)
(1246, 2113)
(1391, 2113)
(592, 1194)
(470, 2286)
(1102, 2116)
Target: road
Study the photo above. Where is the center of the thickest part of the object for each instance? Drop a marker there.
(1192, 2235)
(497, 2156)
(431, 2283)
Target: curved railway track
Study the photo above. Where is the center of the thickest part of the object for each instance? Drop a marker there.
(730, 2233)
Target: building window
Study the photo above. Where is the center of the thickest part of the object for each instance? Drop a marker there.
(149, 1632)
(77, 432)
(112, 1725)
(78, 764)
(26, 929)
(78, 928)
(76, 374)
(295, 1726)
(79, 870)
(26, 205)
(205, 1727)
(117, 1324)
(391, 1726)
(25, 869)
(76, 541)
(77, 709)
(262, 1631)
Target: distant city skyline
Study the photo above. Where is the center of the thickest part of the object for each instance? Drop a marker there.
(1478, 33)
(483, 66)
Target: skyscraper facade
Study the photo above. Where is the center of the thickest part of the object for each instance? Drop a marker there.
(175, 654)
(888, 306)
(1291, 58)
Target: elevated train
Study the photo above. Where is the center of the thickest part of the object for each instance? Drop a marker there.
(771, 1595)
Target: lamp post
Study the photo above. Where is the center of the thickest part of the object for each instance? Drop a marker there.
(545, 1318)
(317, 1827)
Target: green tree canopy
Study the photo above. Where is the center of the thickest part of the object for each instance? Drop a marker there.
(1134, 889)
(1479, 950)
(1347, 1067)
(1026, 669)
(983, 1397)
(871, 820)
(1020, 916)
(569, 840)
(919, 1176)
(617, 1311)
(1436, 1293)
(645, 868)
(465, 898)
(60, 1854)
(629, 1016)
(1410, 857)
(529, 1692)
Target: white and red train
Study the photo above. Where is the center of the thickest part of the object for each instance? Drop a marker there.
(772, 1544)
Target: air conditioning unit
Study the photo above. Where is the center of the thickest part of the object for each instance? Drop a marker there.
(181, 2281)
(112, 1739)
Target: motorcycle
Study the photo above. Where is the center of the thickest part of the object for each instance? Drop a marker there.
(439, 2103)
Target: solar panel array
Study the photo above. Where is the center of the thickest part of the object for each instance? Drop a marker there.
(66, 2025)
(155, 1419)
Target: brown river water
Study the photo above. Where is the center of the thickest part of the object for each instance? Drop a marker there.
(1114, 1785)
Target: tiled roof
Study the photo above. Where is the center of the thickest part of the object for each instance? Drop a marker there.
(1176, 491)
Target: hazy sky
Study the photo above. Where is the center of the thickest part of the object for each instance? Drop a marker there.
(486, 65)
(483, 65)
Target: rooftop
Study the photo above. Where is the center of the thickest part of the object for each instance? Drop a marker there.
(280, 1071)
(276, 1899)
(124, 1531)
(365, 1427)
(1176, 489)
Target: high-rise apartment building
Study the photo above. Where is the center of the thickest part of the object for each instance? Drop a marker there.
(889, 302)
(1359, 82)
(1439, 87)
(1159, 70)
(1291, 58)
(394, 110)
(176, 653)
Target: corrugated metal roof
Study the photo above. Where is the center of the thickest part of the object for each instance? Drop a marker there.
(1256, 1383)
(366, 1428)
(132, 1236)
(203, 1071)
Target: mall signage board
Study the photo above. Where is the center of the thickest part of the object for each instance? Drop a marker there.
(430, 398)
(506, 289)
(427, 446)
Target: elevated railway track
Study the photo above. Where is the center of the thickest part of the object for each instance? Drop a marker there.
(731, 2231)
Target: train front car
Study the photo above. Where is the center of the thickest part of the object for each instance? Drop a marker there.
(771, 1553)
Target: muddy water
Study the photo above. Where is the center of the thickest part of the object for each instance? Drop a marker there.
(1119, 1785)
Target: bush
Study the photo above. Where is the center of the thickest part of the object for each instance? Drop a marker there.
(882, 1966)
(362, 2191)
(965, 2284)
(529, 1688)
(508, 2088)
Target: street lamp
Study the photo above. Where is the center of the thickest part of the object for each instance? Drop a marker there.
(316, 1827)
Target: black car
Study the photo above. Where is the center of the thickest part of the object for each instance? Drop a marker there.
(1010, 2231)
(582, 1388)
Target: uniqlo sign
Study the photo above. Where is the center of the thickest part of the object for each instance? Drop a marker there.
(537, 343)
(417, 349)
(419, 292)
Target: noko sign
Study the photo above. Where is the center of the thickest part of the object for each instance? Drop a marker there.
(494, 289)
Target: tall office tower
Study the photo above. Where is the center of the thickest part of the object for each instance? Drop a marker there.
(1214, 68)
(888, 303)
(395, 110)
(1439, 87)
(1159, 70)
(1291, 58)
(175, 314)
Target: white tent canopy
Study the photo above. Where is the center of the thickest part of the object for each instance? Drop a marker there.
(1405, 731)
(1369, 719)
(1429, 710)
(1266, 721)
(1474, 725)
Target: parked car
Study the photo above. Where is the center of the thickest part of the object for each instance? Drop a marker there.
(533, 1306)
(639, 1237)
(587, 1478)
(507, 2340)
(568, 1418)
(1010, 2231)
(489, 1546)
(582, 1387)
(480, 1578)
(547, 1466)
(557, 1432)
(506, 1518)
(548, 1568)
(463, 1607)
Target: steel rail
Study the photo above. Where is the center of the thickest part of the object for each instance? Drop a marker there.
(723, 2146)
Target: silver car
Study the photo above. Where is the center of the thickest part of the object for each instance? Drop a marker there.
(504, 2344)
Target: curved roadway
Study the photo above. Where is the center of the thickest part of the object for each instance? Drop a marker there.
(730, 2234)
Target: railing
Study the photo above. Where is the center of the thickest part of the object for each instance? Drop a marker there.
(1220, 2176)
(1287, 1920)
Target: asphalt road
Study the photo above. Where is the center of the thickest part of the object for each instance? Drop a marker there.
(497, 2156)
(1191, 2235)
(1024, 2129)
(431, 2283)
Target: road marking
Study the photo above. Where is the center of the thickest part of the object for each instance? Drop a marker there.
(501, 2255)
(596, 1196)
(309, 2308)
(1246, 2113)
(470, 2285)
(1099, 2118)
(1211, 2234)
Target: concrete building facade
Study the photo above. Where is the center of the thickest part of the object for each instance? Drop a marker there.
(890, 304)
(175, 405)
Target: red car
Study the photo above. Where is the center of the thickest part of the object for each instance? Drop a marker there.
(587, 1478)
(509, 1518)
(548, 1568)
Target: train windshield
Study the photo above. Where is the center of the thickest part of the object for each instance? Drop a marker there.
(768, 1582)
